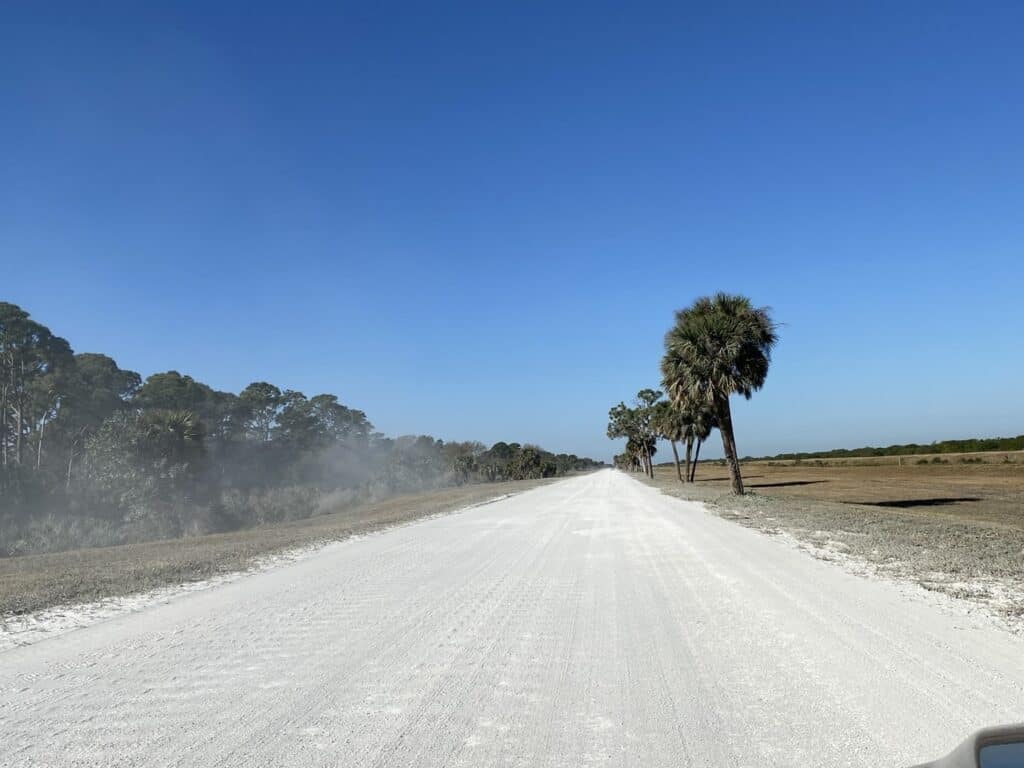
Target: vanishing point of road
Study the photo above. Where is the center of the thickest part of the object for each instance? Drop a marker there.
(593, 621)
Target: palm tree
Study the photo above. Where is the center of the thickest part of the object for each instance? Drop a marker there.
(668, 422)
(689, 424)
(702, 421)
(718, 347)
(175, 436)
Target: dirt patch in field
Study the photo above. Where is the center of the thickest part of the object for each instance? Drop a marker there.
(955, 528)
(35, 582)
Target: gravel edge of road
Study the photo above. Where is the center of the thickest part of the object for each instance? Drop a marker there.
(980, 564)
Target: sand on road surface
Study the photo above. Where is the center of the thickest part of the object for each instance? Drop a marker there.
(591, 621)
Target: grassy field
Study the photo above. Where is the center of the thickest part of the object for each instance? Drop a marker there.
(34, 582)
(989, 490)
(954, 527)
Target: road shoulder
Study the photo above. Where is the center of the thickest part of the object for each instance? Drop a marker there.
(976, 564)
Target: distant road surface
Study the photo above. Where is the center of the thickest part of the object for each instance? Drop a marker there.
(593, 621)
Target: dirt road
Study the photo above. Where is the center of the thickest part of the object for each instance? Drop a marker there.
(592, 621)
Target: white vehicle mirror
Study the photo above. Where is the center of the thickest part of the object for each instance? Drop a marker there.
(999, 747)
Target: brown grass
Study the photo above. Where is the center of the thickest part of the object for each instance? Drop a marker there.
(987, 492)
(33, 582)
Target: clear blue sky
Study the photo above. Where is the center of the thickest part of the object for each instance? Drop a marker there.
(475, 220)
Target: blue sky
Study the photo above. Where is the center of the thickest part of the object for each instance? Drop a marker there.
(475, 221)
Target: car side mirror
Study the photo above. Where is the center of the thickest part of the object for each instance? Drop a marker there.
(1000, 747)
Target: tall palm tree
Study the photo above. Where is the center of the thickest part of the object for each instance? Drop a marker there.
(718, 347)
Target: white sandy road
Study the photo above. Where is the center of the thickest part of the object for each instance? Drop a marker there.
(593, 621)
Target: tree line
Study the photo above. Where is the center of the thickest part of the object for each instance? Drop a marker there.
(91, 454)
(970, 445)
(718, 347)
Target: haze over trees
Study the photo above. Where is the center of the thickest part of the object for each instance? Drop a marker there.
(90, 454)
(719, 346)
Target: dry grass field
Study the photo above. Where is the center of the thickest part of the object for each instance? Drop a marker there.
(991, 490)
(34, 582)
(955, 527)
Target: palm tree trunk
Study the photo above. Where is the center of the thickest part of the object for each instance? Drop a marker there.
(675, 455)
(689, 451)
(696, 457)
(729, 445)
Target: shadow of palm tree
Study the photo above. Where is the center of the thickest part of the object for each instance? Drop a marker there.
(788, 482)
(907, 503)
(723, 478)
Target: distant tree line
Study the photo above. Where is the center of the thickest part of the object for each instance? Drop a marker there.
(90, 454)
(973, 445)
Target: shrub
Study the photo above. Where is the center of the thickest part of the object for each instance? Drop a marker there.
(273, 505)
(54, 533)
